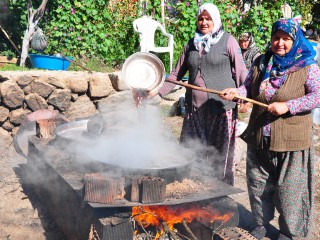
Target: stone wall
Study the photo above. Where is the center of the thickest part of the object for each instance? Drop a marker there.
(74, 94)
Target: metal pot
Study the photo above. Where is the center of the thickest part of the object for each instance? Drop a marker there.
(71, 131)
(143, 71)
(171, 173)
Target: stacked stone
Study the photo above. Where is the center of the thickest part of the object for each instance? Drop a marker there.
(74, 94)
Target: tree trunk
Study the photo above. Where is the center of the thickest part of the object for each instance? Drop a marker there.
(34, 17)
(26, 45)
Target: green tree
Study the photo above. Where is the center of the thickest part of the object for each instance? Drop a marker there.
(103, 29)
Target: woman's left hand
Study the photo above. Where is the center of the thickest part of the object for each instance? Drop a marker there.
(278, 108)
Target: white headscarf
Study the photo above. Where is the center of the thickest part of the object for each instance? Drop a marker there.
(213, 37)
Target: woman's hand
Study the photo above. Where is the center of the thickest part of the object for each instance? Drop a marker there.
(229, 93)
(138, 96)
(278, 108)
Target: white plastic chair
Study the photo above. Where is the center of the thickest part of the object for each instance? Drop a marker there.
(146, 27)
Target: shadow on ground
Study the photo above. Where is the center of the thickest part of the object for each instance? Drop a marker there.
(51, 230)
(246, 222)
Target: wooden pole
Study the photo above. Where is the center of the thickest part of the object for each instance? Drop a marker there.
(7, 36)
(162, 13)
(215, 92)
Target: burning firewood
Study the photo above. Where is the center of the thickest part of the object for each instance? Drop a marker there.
(168, 230)
(189, 230)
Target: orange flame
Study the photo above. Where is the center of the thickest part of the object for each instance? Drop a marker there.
(155, 215)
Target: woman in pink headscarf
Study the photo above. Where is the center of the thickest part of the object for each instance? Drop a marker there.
(213, 59)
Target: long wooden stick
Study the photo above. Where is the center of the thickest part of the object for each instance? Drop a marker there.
(189, 230)
(167, 229)
(215, 92)
(7, 36)
(78, 64)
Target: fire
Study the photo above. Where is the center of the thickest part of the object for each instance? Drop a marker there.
(171, 215)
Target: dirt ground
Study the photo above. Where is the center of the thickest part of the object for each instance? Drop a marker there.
(23, 217)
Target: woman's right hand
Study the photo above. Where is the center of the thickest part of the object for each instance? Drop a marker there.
(138, 96)
(229, 93)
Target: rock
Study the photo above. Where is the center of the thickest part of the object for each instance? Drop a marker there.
(115, 101)
(74, 97)
(60, 98)
(5, 138)
(17, 116)
(4, 114)
(7, 126)
(24, 80)
(41, 88)
(57, 82)
(36, 102)
(100, 86)
(27, 90)
(12, 94)
(78, 84)
(81, 108)
(14, 131)
(117, 81)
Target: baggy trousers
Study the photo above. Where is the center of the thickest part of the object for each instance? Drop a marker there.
(282, 181)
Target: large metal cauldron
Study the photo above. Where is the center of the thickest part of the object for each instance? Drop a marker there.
(174, 169)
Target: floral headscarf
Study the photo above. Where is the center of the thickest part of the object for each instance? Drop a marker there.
(300, 55)
(206, 40)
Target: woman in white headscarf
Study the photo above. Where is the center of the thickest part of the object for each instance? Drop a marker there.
(213, 59)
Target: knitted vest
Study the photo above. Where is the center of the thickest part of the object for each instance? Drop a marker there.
(215, 69)
(288, 132)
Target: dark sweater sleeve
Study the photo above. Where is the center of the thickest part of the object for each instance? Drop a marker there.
(239, 70)
(176, 74)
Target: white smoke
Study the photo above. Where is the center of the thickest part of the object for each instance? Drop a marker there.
(134, 138)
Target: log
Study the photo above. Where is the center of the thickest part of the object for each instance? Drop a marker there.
(102, 189)
(184, 223)
(123, 228)
(153, 189)
(145, 189)
(167, 229)
(45, 128)
(132, 185)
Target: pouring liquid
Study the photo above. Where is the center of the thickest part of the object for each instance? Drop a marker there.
(141, 104)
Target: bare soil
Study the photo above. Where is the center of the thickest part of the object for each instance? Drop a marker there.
(22, 216)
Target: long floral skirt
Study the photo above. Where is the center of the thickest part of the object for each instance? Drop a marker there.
(285, 181)
(216, 134)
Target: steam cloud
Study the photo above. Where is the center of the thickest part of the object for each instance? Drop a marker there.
(134, 138)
